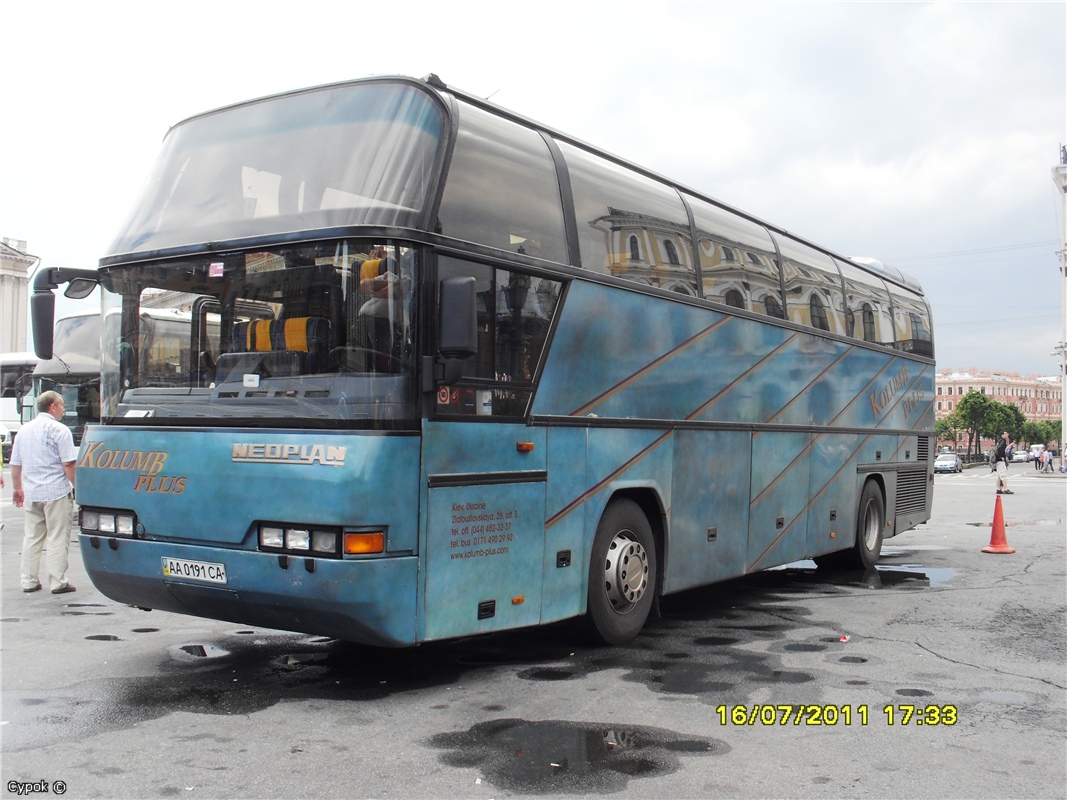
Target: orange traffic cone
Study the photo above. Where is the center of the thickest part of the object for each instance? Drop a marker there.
(998, 543)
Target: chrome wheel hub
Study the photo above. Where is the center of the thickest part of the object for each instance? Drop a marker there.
(625, 572)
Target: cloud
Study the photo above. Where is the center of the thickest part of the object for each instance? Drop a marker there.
(886, 129)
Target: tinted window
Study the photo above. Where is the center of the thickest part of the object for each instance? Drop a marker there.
(818, 312)
(912, 322)
(514, 314)
(812, 287)
(363, 154)
(736, 259)
(614, 206)
(867, 313)
(772, 307)
(502, 189)
(321, 333)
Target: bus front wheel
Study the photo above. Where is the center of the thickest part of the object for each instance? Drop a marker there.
(622, 574)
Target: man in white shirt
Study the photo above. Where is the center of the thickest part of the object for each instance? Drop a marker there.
(42, 476)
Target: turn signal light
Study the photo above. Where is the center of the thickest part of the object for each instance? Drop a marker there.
(358, 544)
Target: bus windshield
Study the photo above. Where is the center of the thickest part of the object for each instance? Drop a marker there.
(363, 154)
(313, 335)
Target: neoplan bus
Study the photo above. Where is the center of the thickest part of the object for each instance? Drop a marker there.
(498, 378)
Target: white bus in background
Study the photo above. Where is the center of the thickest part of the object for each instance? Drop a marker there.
(13, 367)
(74, 368)
(73, 371)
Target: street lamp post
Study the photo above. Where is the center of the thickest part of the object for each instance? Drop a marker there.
(1059, 177)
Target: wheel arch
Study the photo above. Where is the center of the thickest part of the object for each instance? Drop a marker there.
(879, 479)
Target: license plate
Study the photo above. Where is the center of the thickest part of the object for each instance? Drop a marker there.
(194, 570)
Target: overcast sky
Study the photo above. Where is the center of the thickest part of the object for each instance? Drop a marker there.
(921, 133)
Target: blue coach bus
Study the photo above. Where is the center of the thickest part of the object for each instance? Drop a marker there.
(450, 371)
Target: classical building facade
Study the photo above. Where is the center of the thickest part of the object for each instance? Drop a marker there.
(16, 267)
(1039, 398)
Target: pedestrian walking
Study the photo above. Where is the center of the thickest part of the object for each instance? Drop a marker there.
(42, 478)
(1001, 466)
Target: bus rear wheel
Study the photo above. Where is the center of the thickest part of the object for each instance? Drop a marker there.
(622, 574)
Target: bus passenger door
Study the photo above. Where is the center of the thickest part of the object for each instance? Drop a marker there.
(485, 528)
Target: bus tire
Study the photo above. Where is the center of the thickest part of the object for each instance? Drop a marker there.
(870, 529)
(622, 574)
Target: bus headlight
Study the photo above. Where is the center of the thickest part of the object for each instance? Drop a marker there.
(300, 539)
(270, 536)
(324, 542)
(297, 539)
(108, 522)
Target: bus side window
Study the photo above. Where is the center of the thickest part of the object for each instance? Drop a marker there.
(867, 306)
(514, 315)
(813, 288)
(737, 260)
(912, 321)
(630, 226)
(502, 189)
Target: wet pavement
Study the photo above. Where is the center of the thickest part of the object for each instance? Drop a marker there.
(939, 674)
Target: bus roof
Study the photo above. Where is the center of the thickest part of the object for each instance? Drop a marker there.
(434, 84)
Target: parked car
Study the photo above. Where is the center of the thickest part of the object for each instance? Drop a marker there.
(1021, 455)
(948, 462)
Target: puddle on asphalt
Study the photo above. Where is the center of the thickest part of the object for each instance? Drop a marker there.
(900, 573)
(743, 636)
(553, 757)
(883, 576)
(202, 651)
(914, 693)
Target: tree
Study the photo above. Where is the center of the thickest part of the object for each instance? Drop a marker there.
(948, 429)
(1033, 432)
(1000, 417)
(1050, 431)
(973, 409)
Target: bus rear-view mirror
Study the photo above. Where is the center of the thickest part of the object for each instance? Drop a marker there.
(459, 318)
(42, 318)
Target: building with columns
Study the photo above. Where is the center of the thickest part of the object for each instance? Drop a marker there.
(1039, 398)
(16, 268)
